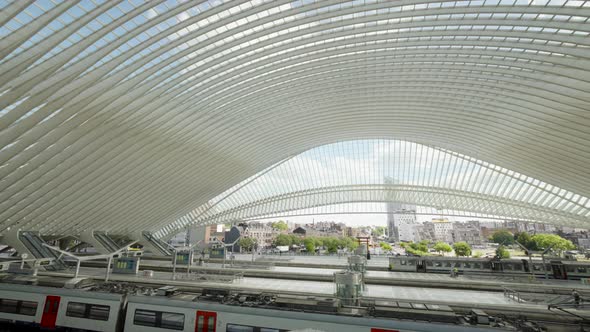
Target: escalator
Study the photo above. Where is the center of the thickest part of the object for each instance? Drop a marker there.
(156, 244)
(106, 241)
(34, 243)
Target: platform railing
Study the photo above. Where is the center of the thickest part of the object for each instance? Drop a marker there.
(512, 294)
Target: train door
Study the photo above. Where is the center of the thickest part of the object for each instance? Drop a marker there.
(559, 271)
(496, 266)
(50, 311)
(206, 321)
(420, 265)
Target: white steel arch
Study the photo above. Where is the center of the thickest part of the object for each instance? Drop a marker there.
(123, 115)
(391, 171)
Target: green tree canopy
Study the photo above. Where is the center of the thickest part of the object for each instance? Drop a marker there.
(348, 243)
(419, 249)
(502, 253)
(526, 240)
(296, 239)
(247, 243)
(420, 246)
(309, 244)
(379, 230)
(503, 236)
(283, 240)
(331, 243)
(462, 249)
(385, 246)
(279, 225)
(442, 247)
(543, 241)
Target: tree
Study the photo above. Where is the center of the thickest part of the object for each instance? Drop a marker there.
(349, 243)
(442, 247)
(379, 231)
(247, 243)
(526, 240)
(544, 241)
(462, 249)
(279, 225)
(502, 253)
(418, 249)
(296, 239)
(385, 246)
(309, 244)
(331, 244)
(283, 240)
(503, 236)
(420, 246)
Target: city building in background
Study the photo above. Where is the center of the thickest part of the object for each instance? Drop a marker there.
(401, 214)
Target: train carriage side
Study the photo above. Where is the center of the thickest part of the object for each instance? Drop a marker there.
(402, 263)
(21, 307)
(571, 270)
(160, 314)
(99, 310)
(49, 307)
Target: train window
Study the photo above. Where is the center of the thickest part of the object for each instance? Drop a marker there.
(239, 328)
(173, 321)
(99, 312)
(145, 318)
(448, 264)
(403, 262)
(508, 267)
(438, 264)
(27, 308)
(76, 309)
(537, 267)
(518, 267)
(9, 306)
(88, 311)
(487, 265)
(410, 262)
(477, 265)
(467, 265)
(581, 269)
(165, 320)
(570, 269)
(429, 263)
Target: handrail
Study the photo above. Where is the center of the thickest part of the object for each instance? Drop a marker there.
(512, 294)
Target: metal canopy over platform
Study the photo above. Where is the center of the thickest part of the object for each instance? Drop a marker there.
(121, 116)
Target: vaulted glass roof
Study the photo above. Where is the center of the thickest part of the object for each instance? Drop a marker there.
(123, 115)
(391, 171)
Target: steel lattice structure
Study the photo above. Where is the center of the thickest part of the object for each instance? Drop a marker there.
(126, 115)
(391, 171)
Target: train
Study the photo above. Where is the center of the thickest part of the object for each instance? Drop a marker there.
(555, 269)
(59, 309)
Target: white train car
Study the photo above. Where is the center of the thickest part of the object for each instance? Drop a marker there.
(55, 307)
(556, 269)
(162, 314)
